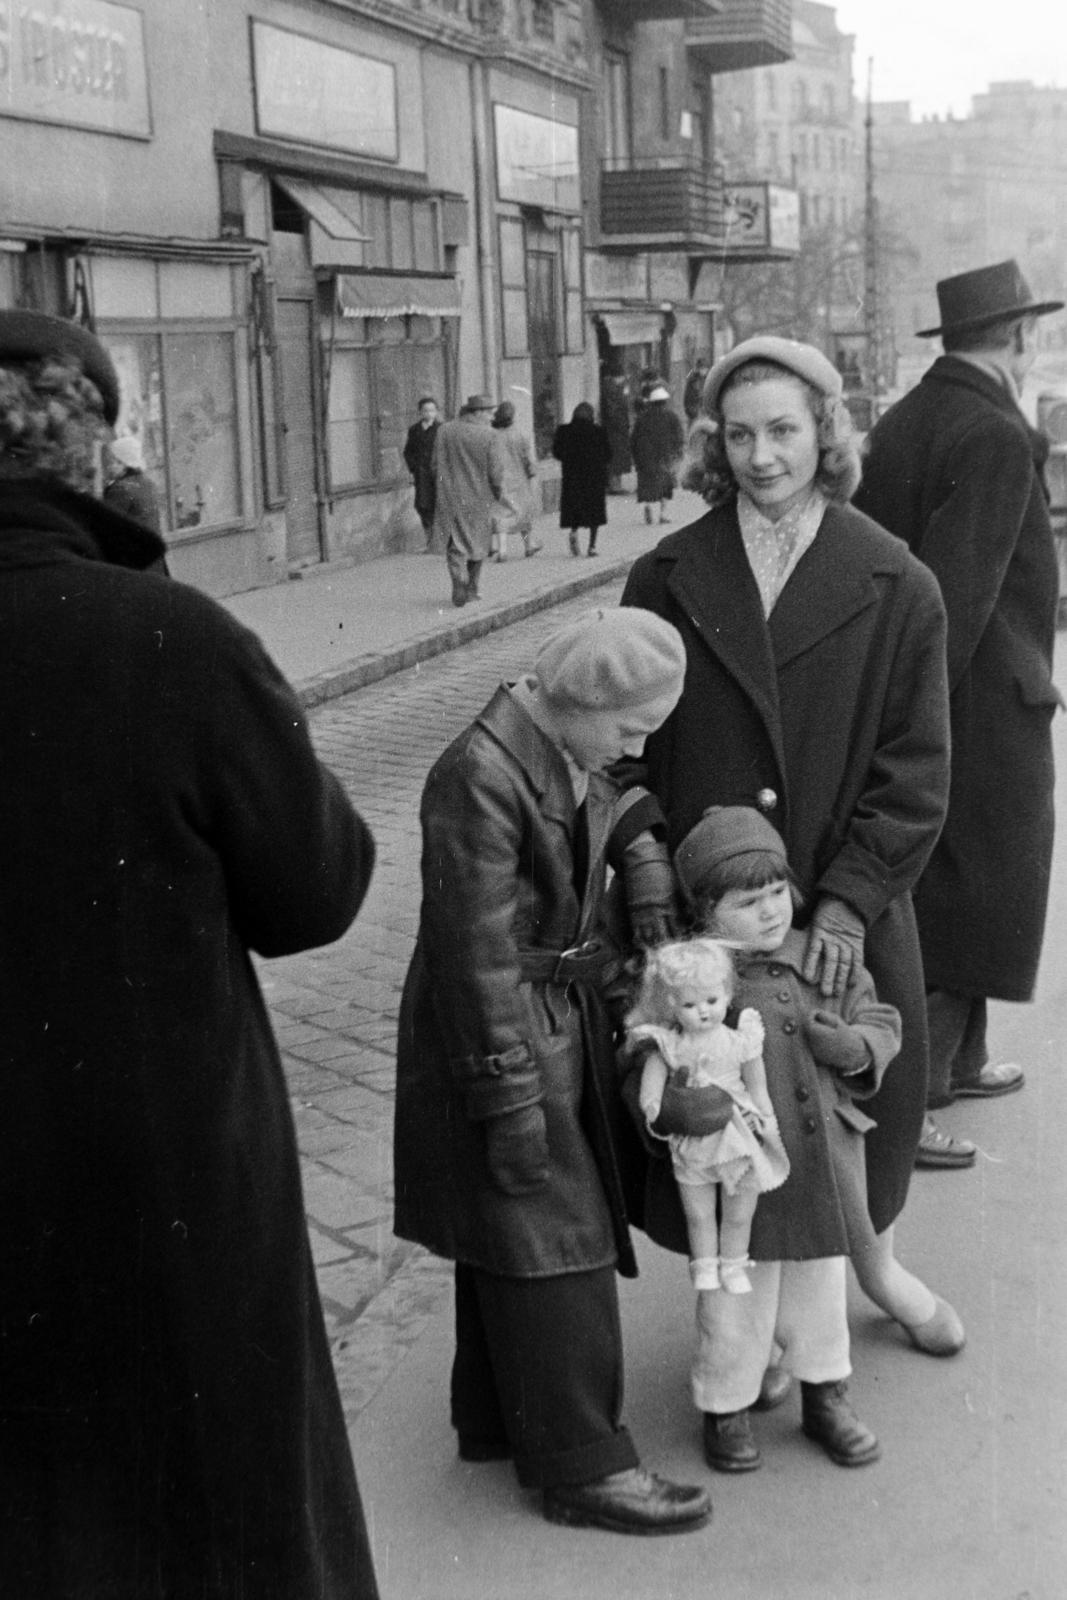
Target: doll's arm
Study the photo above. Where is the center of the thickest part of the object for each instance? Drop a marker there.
(754, 1078)
(654, 1075)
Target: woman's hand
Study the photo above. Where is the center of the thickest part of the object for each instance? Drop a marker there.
(835, 945)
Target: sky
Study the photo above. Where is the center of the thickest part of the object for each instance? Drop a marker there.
(938, 53)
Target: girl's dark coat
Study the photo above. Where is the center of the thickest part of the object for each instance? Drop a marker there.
(476, 1040)
(584, 450)
(954, 470)
(821, 1126)
(837, 707)
(169, 1405)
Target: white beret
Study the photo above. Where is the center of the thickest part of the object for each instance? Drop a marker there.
(610, 660)
(801, 359)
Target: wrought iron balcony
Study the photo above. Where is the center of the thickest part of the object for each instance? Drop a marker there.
(746, 33)
(660, 10)
(670, 203)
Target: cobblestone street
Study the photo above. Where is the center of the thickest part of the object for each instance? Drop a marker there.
(335, 1010)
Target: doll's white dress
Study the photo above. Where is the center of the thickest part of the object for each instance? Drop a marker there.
(750, 1143)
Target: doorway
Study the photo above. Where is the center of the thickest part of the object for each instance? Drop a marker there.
(303, 519)
(542, 277)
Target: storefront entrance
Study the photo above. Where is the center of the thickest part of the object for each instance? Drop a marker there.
(542, 269)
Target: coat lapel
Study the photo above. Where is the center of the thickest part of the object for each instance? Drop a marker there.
(832, 583)
(538, 757)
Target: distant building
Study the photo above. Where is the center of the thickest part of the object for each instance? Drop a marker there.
(965, 192)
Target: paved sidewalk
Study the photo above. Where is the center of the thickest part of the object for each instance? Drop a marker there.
(339, 629)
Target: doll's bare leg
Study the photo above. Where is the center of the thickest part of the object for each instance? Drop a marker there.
(699, 1205)
(738, 1209)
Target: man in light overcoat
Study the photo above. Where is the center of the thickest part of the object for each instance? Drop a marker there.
(954, 470)
(469, 466)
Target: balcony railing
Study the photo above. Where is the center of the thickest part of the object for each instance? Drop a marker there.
(660, 10)
(662, 204)
(746, 33)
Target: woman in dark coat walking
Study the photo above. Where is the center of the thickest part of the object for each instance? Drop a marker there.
(169, 1418)
(658, 442)
(816, 691)
(583, 448)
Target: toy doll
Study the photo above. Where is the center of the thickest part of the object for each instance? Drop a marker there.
(686, 989)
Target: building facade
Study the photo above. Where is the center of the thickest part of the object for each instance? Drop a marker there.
(290, 220)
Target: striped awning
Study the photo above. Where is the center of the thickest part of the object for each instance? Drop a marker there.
(368, 294)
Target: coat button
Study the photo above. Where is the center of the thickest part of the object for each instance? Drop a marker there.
(774, 972)
(783, 994)
(789, 1027)
(766, 799)
(809, 1124)
(803, 1094)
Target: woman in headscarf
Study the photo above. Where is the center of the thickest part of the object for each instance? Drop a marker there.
(583, 449)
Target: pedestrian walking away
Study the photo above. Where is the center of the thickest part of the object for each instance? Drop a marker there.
(658, 443)
(583, 449)
(169, 1416)
(469, 468)
(815, 692)
(954, 470)
(520, 473)
(510, 1137)
(418, 457)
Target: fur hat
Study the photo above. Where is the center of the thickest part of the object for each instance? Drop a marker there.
(31, 335)
(803, 360)
(722, 833)
(610, 660)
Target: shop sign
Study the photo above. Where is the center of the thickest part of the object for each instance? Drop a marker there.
(536, 160)
(761, 216)
(615, 277)
(319, 94)
(76, 62)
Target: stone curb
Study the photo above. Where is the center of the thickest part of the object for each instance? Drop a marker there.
(378, 664)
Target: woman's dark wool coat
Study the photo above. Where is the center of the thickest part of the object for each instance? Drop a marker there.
(657, 442)
(584, 451)
(476, 1040)
(954, 471)
(169, 1418)
(838, 707)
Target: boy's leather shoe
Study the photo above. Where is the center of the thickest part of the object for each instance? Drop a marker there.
(828, 1418)
(774, 1388)
(728, 1442)
(634, 1501)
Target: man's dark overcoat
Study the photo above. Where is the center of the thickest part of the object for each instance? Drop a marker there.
(500, 835)
(584, 451)
(953, 470)
(838, 706)
(169, 1418)
(418, 457)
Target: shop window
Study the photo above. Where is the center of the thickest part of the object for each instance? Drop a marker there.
(172, 331)
(573, 319)
(513, 286)
(377, 371)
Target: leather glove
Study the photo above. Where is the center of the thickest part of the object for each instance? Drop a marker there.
(693, 1111)
(835, 1043)
(835, 945)
(648, 880)
(516, 1148)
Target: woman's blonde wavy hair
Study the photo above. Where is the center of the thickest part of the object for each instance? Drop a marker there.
(51, 421)
(707, 470)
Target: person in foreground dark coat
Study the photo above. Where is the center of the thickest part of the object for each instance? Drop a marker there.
(954, 470)
(510, 1135)
(817, 694)
(583, 449)
(169, 1418)
(418, 458)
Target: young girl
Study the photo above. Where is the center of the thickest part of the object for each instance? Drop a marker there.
(685, 992)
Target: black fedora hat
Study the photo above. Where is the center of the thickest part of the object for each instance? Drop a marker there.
(988, 294)
(27, 335)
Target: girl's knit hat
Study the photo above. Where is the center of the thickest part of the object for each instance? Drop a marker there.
(612, 659)
(722, 833)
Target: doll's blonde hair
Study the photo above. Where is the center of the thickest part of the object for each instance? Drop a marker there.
(672, 967)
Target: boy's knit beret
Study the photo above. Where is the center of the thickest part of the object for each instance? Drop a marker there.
(722, 833)
(610, 660)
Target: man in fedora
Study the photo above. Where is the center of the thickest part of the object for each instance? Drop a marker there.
(469, 463)
(954, 469)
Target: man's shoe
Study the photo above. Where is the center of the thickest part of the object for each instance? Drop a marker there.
(634, 1501)
(828, 1418)
(1003, 1078)
(474, 572)
(459, 594)
(729, 1445)
(938, 1149)
(940, 1335)
(472, 1449)
(773, 1389)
